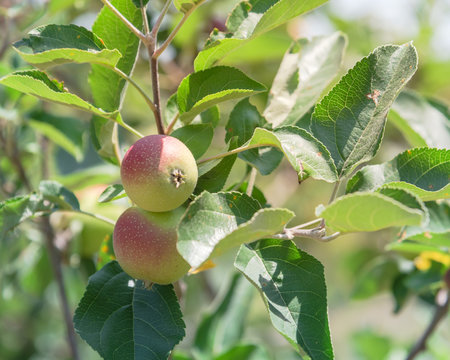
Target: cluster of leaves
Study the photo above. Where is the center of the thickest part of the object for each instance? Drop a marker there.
(324, 140)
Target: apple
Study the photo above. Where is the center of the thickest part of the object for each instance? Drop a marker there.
(158, 173)
(145, 245)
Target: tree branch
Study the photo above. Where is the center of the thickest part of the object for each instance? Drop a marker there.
(160, 18)
(442, 303)
(232, 152)
(55, 259)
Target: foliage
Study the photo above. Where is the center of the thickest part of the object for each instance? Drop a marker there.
(325, 133)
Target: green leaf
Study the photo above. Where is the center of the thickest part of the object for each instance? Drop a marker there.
(120, 319)
(371, 346)
(292, 284)
(223, 326)
(376, 276)
(37, 83)
(111, 193)
(307, 68)
(140, 3)
(244, 352)
(15, 210)
(204, 89)
(95, 175)
(101, 131)
(51, 196)
(307, 155)
(52, 45)
(368, 211)
(115, 35)
(67, 132)
(243, 121)
(436, 232)
(414, 247)
(421, 121)
(186, 5)
(248, 20)
(214, 179)
(350, 120)
(423, 171)
(215, 223)
(106, 85)
(197, 137)
(59, 195)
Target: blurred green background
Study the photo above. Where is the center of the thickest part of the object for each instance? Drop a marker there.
(358, 270)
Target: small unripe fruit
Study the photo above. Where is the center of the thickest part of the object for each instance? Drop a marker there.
(159, 173)
(145, 245)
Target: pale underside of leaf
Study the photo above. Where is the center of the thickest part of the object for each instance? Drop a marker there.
(368, 212)
(306, 69)
(305, 153)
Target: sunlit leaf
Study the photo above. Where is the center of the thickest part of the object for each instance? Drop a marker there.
(292, 284)
(204, 89)
(350, 120)
(423, 171)
(307, 68)
(51, 45)
(216, 223)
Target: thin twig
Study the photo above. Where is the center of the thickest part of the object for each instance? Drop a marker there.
(160, 18)
(12, 152)
(98, 217)
(156, 91)
(136, 86)
(290, 233)
(442, 304)
(309, 223)
(173, 33)
(122, 18)
(145, 19)
(232, 152)
(115, 142)
(172, 123)
(55, 259)
(251, 182)
(332, 197)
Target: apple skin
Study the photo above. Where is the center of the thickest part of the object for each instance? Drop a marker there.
(158, 173)
(145, 245)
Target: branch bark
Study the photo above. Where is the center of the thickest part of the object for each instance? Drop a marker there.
(442, 304)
